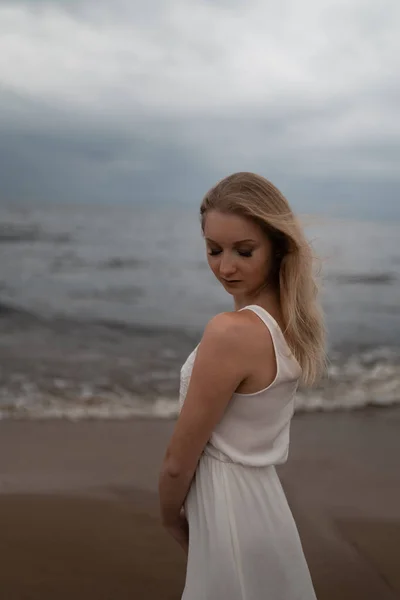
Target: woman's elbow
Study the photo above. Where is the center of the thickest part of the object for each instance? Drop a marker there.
(176, 468)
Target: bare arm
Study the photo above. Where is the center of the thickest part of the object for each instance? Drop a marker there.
(218, 369)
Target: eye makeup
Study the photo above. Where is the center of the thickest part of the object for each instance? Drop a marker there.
(243, 253)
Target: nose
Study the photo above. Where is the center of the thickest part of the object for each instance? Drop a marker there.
(227, 266)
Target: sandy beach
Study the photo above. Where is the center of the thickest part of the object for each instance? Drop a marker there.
(79, 510)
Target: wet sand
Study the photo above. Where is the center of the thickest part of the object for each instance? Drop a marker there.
(79, 511)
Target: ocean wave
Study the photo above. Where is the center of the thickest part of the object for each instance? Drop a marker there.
(107, 407)
(118, 262)
(66, 261)
(69, 260)
(57, 321)
(366, 278)
(369, 378)
(128, 293)
(8, 310)
(12, 233)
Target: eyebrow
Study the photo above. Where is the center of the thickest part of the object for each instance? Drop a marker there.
(235, 244)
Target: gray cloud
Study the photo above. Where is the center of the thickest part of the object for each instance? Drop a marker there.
(117, 101)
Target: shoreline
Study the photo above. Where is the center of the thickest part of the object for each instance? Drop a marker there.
(79, 508)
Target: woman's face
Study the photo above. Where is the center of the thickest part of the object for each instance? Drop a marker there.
(238, 252)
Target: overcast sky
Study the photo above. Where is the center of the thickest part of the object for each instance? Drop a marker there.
(112, 100)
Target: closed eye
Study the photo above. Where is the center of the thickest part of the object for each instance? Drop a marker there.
(244, 253)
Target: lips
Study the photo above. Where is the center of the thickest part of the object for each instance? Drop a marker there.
(231, 280)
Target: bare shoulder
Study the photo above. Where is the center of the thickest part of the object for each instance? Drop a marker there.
(241, 339)
(255, 355)
(226, 328)
(243, 328)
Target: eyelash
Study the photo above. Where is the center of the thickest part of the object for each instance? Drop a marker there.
(243, 253)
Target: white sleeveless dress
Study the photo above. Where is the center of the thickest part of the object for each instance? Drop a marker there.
(243, 541)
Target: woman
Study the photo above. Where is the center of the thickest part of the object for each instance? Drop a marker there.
(220, 496)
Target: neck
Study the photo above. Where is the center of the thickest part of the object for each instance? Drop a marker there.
(268, 299)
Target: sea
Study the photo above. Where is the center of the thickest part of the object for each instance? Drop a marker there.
(101, 304)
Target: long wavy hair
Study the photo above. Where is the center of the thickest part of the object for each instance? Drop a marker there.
(252, 196)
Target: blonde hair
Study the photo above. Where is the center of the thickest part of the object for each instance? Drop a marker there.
(252, 196)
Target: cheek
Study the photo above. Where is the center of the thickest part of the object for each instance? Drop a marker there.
(260, 266)
(212, 263)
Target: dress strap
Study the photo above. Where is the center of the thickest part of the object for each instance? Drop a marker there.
(272, 326)
(265, 316)
(281, 347)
